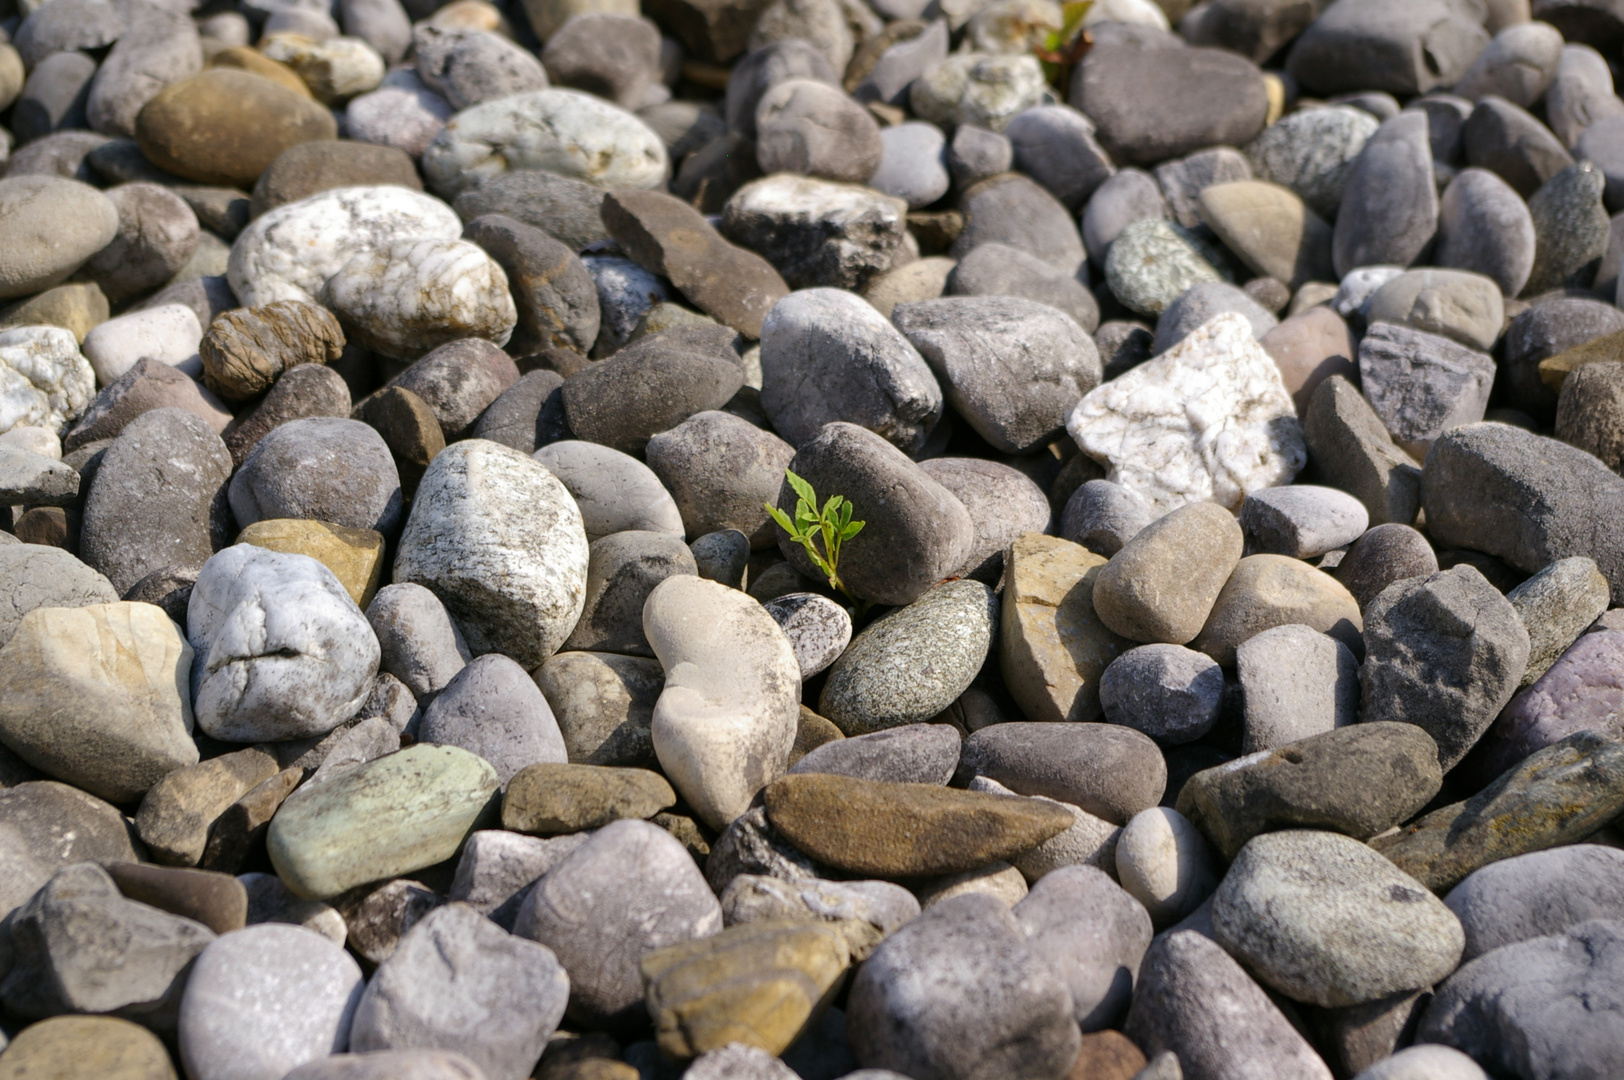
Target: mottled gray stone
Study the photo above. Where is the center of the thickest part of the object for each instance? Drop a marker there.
(1003, 504)
(1421, 385)
(1295, 682)
(492, 708)
(818, 628)
(1389, 207)
(1571, 228)
(1202, 301)
(321, 468)
(1301, 520)
(907, 754)
(1555, 606)
(1153, 262)
(1312, 151)
(994, 269)
(1170, 693)
(720, 469)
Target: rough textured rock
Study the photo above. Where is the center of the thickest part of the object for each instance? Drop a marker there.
(555, 298)
(1176, 458)
(1421, 384)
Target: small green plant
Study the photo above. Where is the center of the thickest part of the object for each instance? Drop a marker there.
(832, 525)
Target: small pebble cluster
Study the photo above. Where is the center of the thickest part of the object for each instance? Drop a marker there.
(403, 676)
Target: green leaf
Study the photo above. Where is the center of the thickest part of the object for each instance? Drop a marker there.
(801, 487)
(845, 515)
(852, 529)
(832, 507)
(780, 517)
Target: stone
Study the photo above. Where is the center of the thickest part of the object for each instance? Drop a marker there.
(419, 803)
(1176, 460)
(983, 89)
(1017, 401)
(468, 66)
(1270, 229)
(1385, 46)
(1579, 93)
(1153, 262)
(993, 269)
(998, 880)
(1587, 412)
(83, 222)
(1518, 65)
(1576, 694)
(1291, 899)
(603, 704)
(816, 232)
(1426, 1060)
(113, 1048)
(1003, 504)
(35, 480)
(1555, 606)
(756, 985)
(724, 723)
(652, 385)
(910, 754)
(1425, 665)
(1127, 196)
(377, 916)
(458, 381)
(77, 306)
(1078, 916)
(44, 380)
(660, 899)
(1389, 208)
(824, 25)
(806, 126)
(168, 333)
(1421, 385)
(497, 869)
(1527, 1008)
(492, 708)
(616, 56)
(909, 666)
(1220, 100)
(384, 1064)
(812, 344)
(284, 989)
(863, 912)
(623, 568)
(1462, 306)
(563, 131)
(95, 695)
(1312, 152)
(1485, 227)
(1185, 967)
(1354, 451)
(307, 391)
(148, 385)
(1551, 339)
(78, 946)
(282, 650)
(1382, 556)
(270, 901)
(178, 811)
(1164, 863)
(1054, 144)
(513, 582)
(614, 491)
(528, 415)
(1168, 692)
(321, 468)
(1555, 796)
(1165, 581)
(1569, 228)
(1108, 771)
(402, 114)
(1103, 516)
(218, 901)
(1303, 521)
(549, 799)
(912, 165)
(1296, 682)
(199, 127)
(818, 629)
(419, 643)
(1509, 141)
(157, 236)
(1199, 303)
(244, 352)
(723, 556)
(1267, 591)
(457, 982)
(1015, 211)
(918, 1003)
(924, 279)
(52, 826)
(335, 69)
(566, 208)
(396, 300)
(720, 469)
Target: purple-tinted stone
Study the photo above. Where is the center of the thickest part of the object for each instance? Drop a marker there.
(1583, 691)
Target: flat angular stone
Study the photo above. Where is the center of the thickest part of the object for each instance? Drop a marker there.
(904, 830)
(1558, 795)
(177, 812)
(1353, 450)
(1173, 459)
(548, 799)
(1421, 385)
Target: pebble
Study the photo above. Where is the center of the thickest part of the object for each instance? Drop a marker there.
(1356, 453)
(1296, 682)
(816, 232)
(1249, 1033)
(922, 1003)
(402, 114)
(1015, 211)
(1312, 152)
(818, 629)
(1303, 521)
(659, 898)
(35, 259)
(1462, 306)
(225, 127)
(492, 708)
(1556, 605)
(808, 127)
(263, 1001)
(1290, 900)
(1162, 584)
(912, 165)
(652, 385)
(1170, 693)
(983, 89)
(603, 704)
(1266, 591)
(54, 826)
(321, 468)
(458, 983)
(497, 869)
(1270, 228)
(1421, 385)
(1153, 262)
(1485, 227)
(1389, 207)
(1165, 864)
(994, 269)
(1054, 144)
(864, 912)
(1558, 795)
(1575, 694)
(720, 469)
(514, 582)
(1538, 994)
(114, 1048)
(1578, 94)
(614, 491)
(1570, 227)
(564, 131)
(1509, 141)
(1200, 303)
(1109, 771)
(468, 67)
(418, 804)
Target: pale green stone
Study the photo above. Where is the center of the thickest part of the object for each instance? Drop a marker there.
(388, 817)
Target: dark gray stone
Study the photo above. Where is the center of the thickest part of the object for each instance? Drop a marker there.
(52, 826)
(1126, 197)
(53, 98)
(612, 54)
(1012, 368)
(1386, 553)
(723, 556)
(809, 127)
(458, 381)
(1402, 46)
(37, 576)
(1054, 145)
(764, 68)
(556, 297)
(1389, 208)
(320, 468)
(1525, 499)
(303, 391)
(1112, 772)
(492, 708)
(1198, 304)
(1102, 516)
(1003, 503)
(567, 209)
(1096, 935)
(1170, 693)
(720, 469)
(1549, 327)
(1571, 229)
(1015, 211)
(624, 568)
(975, 154)
(528, 415)
(1421, 385)
(994, 269)
(652, 385)
(1509, 141)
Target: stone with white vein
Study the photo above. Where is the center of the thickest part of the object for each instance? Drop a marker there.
(289, 253)
(414, 295)
(44, 380)
(1210, 419)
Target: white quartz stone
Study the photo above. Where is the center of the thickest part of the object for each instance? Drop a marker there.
(44, 380)
(415, 295)
(1210, 419)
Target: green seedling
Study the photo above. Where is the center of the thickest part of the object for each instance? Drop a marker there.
(832, 526)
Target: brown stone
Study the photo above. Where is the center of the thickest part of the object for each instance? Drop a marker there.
(409, 428)
(355, 556)
(1353, 451)
(303, 391)
(1267, 591)
(75, 1047)
(243, 58)
(811, 732)
(177, 813)
(880, 829)
(379, 915)
(79, 306)
(149, 384)
(1107, 1055)
(226, 127)
(1589, 413)
(666, 236)
(714, 31)
(216, 900)
(1309, 348)
(244, 351)
(1554, 370)
(309, 168)
(1162, 585)
(242, 824)
(1271, 230)
(48, 527)
(549, 799)
(1052, 647)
